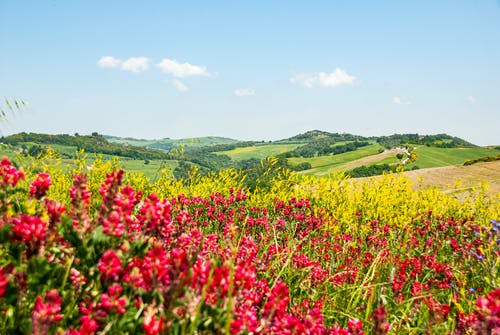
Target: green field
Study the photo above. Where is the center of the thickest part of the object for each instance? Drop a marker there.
(151, 170)
(258, 151)
(324, 164)
(428, 157)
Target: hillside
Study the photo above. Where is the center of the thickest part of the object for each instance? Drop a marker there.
(315, 153)
(67, 145)
(167, 144)
(456, 179)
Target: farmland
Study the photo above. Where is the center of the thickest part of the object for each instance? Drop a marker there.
(258, 151)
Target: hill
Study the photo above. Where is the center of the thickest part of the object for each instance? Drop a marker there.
(456, 179)
(167, 144)
(316, 152)
(67, 145)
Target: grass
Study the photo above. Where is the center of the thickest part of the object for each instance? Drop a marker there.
(151, 170)
(325, 164)
(428, 157)
(435, 157)
(258, 151)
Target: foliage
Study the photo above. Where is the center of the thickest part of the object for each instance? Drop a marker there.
(376, 169)
(482, 159)
(439, 141)
(324, 146)
(94, 144)
(315, 134)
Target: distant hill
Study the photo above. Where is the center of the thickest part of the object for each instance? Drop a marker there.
(94, 143)
(438, 141)
(166, 144)
(318, 134)
(314, 152)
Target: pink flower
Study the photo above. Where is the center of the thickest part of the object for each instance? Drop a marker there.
(111, 301)
(110, 266)
(8, 173)
(4, 282)
(151, 324)
(29, 228)
(46, 313)
(40, 186)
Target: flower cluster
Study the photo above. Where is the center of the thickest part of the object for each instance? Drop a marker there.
(121, 262)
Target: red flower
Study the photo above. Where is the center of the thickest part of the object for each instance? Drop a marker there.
(112, 301)
(46, 313)
(110, 266)
(3, 282)
(29, 228)
(151, 324)
(8, 173)
(40, 186)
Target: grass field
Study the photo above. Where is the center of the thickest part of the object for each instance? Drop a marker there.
(258, 151)
(326, 164)
(151, 170)
(428, 157)
(435, 157)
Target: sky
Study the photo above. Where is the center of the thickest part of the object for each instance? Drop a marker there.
(252, 70)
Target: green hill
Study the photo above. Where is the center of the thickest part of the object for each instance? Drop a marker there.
(167, 144)
(312, 153)
(68, 144)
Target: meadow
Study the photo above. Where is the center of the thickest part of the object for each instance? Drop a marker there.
(323, 165)
(258, 151)
(101, 250)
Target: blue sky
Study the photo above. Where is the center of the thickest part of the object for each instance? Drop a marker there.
(261, 70)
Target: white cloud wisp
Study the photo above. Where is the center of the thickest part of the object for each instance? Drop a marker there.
(109, 62)
(133, 64)
(181, 70)
(336, 78)
(136, 64)
(244, 92)
(180, 86)
(401, 101)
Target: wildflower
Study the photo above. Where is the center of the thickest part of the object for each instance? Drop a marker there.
(29, 228)
(8, 173)
(55, 209)
(77, 278)
(46, 313)
(4, 282)
(110, 266)
(151, 324)
(40, 186)
(355, 327)
(111, 301)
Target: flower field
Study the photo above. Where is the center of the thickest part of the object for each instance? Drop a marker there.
(101, 251)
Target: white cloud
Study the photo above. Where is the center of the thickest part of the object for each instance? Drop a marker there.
(181, 70)
(333, 79)
(180, 86)
(401, 101)
(471, 99)
(109, 62)
(244, 92)
(136, 64)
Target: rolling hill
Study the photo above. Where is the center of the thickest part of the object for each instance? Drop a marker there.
(314, 153)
